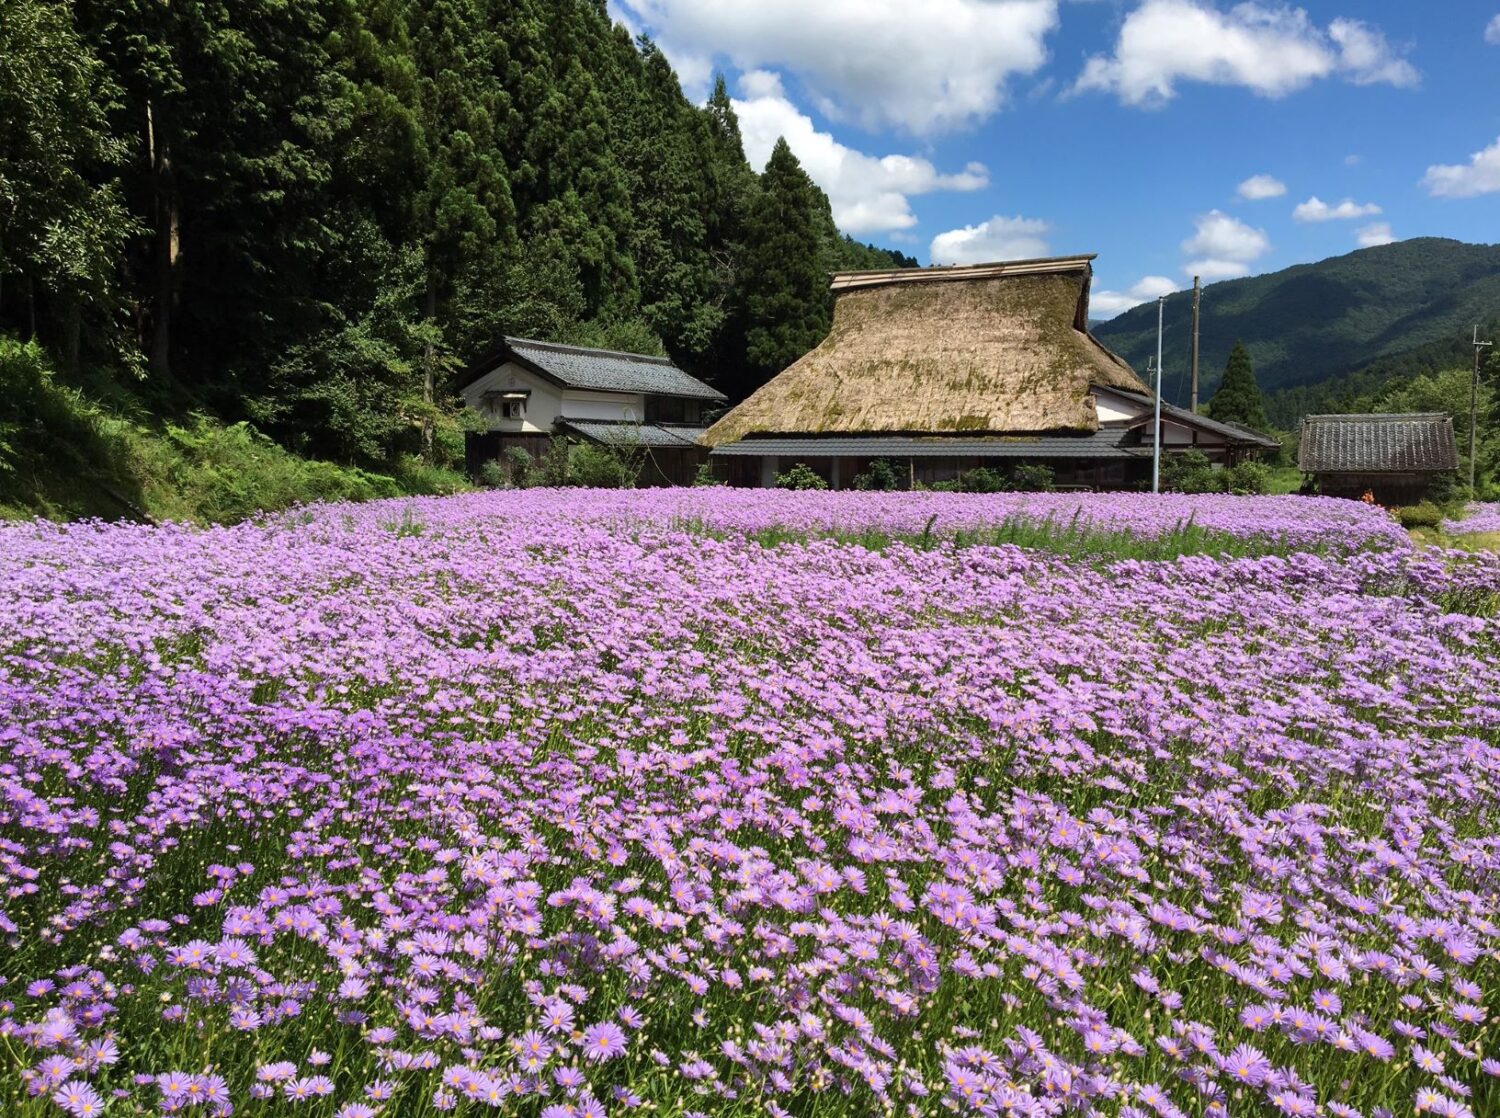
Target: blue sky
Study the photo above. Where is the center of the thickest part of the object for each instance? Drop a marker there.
(1168, 136)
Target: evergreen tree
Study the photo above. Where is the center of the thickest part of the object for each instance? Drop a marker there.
(62, 219)
(786, 283)
(314, 213)
(661, 152)
(1238, 399)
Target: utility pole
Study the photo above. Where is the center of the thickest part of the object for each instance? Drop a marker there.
(1197, 296)
(1161, 310)
(1479, 348)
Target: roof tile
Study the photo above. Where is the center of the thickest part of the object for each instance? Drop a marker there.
(1378, 443)
(607, 371)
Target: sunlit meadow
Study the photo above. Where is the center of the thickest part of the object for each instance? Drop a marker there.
(702, 802)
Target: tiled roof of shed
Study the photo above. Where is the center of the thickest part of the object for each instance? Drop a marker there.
(604, 370)
(1365, 444)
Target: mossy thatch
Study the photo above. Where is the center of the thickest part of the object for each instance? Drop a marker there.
(997, 354)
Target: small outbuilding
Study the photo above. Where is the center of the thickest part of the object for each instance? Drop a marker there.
(527, 393)
(1396, 458)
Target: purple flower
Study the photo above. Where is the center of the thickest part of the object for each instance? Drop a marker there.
(603, 1041)
(79, 1099)
(1246, 1064)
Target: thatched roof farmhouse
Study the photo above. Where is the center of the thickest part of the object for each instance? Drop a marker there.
(945, 369)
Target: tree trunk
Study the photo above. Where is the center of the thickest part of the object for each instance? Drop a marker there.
(30, 309)
(429, 363)
(168, 234)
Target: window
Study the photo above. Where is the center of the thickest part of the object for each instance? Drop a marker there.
(671, 409)
(509, 403)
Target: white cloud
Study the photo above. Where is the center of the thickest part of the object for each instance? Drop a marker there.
(1107, 304)
(1259, 187)
(868, 194)
(1270, 50)
(1223, 247)
(1365, 58)
(1213, 269)
(1481, 175)
(1376, 233)
(999, 238)
(1492, 32)
(925, 67)
(1315, 209)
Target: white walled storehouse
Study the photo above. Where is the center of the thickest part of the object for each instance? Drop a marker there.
(529, 392)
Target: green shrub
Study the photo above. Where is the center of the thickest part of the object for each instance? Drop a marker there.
(1424, 515)
(1448, 491)
(1190, 471)
(223, 475)
(413, 475)
(800, 476)
(982, 479)
(552, 470)
(1032, 477)
(492, 475)
(599, 467)
(1252, 478)
(706, 477)
(517, 467)
(883, 476)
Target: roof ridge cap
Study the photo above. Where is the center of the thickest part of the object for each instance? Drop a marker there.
(1356, 417)
(563, 347)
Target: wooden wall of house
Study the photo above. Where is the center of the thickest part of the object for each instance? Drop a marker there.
(671, 467)
(1101, 474)
(490, 446)
(1390, 489)
(659, 467)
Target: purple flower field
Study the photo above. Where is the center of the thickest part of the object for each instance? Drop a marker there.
(1479, 517)
(1298, 522)
(561, 806)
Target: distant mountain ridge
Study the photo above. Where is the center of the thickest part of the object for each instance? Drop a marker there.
(1331, 321)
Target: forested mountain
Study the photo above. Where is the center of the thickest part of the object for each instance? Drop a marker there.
(1321, 335)
(310, 215)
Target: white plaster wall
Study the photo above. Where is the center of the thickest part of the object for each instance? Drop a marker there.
(548, 403)
(627, 406)
(543, 406)
(1173, 435)
(1113, 409)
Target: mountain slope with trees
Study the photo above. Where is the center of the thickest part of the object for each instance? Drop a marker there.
(309, 216)
(1392, 310)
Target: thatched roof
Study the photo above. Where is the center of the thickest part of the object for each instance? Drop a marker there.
(997, 348)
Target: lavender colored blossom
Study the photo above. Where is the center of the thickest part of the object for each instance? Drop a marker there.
(701, 799)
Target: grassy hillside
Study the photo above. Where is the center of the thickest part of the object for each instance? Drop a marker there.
(1319, 322)
(65, 455)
